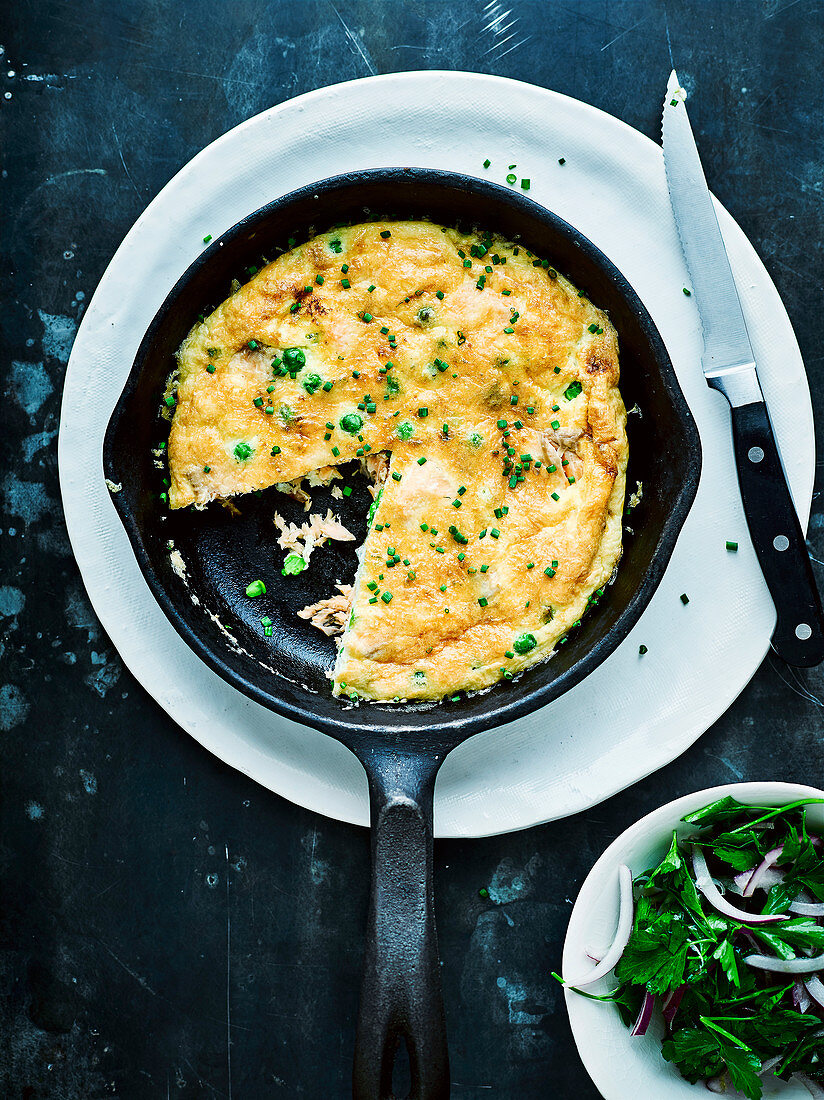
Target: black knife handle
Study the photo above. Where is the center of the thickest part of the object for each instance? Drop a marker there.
(777, 537)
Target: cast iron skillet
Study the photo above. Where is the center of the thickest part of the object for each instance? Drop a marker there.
(400, 746)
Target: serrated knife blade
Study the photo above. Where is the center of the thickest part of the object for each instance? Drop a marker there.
(729, 366)
(728, 360)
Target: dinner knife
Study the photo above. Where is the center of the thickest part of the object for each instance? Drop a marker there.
(729, 366)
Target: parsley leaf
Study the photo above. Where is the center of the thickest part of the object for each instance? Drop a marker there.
(656, 955)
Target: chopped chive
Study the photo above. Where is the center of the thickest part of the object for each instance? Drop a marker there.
(207, 238)
(385, 233)
(487, 163)
(732, 546)
(421, 460)
(684, 599)
(256, 588)
(386, 597)
(642, 649)
(554, 496)
(484, 568)
(511, 178)
(525, 184)
(687, 292)
(483, 601)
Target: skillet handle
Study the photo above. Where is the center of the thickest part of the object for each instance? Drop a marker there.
(401, 996)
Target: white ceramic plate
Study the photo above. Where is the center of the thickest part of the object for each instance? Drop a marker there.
(623, 1067)
(631, 715)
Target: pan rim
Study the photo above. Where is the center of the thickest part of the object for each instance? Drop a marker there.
(453, 728)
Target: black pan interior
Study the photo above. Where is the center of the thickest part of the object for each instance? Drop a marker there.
(223, 551)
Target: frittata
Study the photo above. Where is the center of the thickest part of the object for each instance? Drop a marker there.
(491, 386)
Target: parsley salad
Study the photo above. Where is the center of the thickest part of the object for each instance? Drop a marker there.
(724, 939)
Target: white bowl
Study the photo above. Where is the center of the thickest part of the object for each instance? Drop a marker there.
(624, 1067)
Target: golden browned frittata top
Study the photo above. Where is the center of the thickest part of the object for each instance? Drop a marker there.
(492, 384)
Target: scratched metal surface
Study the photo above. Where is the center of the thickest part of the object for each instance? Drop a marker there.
(168, 928)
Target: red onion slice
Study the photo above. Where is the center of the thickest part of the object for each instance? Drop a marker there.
(800, 997)
(770, 1063)
(808, 908)
(644, 1016)
(786, 966)
(766, 863)
(815, 988)
(771, 877)
(703, 880)
(671, 1002)
(626, 911)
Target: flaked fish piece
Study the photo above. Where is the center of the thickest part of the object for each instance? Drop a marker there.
(330, 615)
(565, 438)
(301, 538)
(377, 467)
(329, 527)
(560, 448)
(324, 476)
(293, 489)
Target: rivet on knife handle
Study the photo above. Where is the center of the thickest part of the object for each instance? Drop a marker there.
(777, 538)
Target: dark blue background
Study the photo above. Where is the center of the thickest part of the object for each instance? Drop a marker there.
(138, 959)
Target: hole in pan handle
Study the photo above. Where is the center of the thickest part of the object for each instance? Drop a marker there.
(401, 997)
